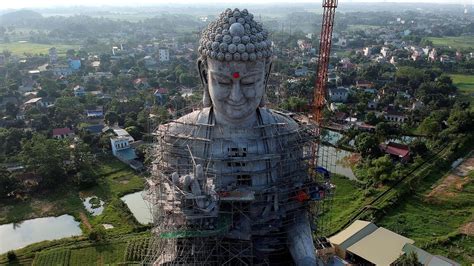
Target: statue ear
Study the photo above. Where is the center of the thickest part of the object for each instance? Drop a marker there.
(202, 68)
(268, 68)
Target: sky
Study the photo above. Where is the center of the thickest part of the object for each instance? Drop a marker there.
(61, 3)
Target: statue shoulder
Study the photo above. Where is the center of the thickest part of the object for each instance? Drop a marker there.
(278, 117)
(187, 122)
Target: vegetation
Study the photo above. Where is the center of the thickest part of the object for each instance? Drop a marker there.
(115, 179)
(27, 48)
(465, 83)
(461, 42)
(82, 251)
(410, 259)
(348, 198)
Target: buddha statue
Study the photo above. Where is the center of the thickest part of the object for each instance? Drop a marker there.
(230, 181)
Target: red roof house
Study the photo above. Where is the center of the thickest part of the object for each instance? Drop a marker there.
(397, 150)
(62, 133)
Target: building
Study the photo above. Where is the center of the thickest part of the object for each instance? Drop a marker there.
(367, 51)
(428, 259)
(395, 116)
(95, 113)
(396, 150)
(364, 84)
(74, 64)
(39, 102)
(161, 95)
(385, 51)
(63, 133)
(62, 70)
(79, 91)
(349, 236)
(380, 247)
(339, 94)
(141, 84)
(301, 71)
(53, 55)
(94, 129)
(164, 55)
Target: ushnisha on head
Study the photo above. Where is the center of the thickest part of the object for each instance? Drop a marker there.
(235, 36)
(234, 66)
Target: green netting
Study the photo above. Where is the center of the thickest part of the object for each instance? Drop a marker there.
(223, 225)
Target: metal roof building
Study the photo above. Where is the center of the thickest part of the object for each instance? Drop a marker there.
(349, 236)
(381, 247)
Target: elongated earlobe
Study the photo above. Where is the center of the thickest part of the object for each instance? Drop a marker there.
(268, 68)
(202, 68)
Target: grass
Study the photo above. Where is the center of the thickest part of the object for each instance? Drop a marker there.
(461, 42)
(465, 84)
(347, 199)
(432, 224)
(23, 48)
(98, 255)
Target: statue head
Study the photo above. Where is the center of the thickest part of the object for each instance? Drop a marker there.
(234, 65)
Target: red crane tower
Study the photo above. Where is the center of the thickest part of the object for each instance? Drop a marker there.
(325, 43)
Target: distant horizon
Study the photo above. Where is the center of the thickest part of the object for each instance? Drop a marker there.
(51, 4)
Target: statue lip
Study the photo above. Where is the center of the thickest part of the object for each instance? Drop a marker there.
(236, 105)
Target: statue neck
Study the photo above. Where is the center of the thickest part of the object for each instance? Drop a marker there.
(246, 122)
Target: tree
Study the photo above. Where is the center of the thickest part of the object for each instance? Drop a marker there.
(111, 117)
(371, 118)
(45, 157)
(11, 109)
(382, 169)
(7, 184)
(408, 259)
(366, 144)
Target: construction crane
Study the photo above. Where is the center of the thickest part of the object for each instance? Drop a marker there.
(325, 43)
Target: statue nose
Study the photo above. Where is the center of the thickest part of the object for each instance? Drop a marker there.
(236, 93)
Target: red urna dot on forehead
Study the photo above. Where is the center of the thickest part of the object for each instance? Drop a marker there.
(236, 75)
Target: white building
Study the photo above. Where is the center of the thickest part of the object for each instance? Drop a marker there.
(339, 94)
(164, 55)
(79, 91)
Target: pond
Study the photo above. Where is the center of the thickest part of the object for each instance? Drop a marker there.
(336, 161)
(18, 235)
(139, 207)
(331, 136)
(93, 205)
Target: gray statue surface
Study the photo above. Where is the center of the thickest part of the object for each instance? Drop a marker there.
(230, 181)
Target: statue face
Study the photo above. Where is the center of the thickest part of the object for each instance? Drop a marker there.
(236, 89)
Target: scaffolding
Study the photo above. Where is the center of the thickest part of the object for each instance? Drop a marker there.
(255, 184)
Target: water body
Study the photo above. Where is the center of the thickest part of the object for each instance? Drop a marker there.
(18, 235)
(139, 207)
(335, 160)
(93, 210)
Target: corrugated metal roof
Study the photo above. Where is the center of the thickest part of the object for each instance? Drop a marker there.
(345, 234)
(382, 247)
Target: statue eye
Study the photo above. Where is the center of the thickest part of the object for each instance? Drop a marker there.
(223, 81)
(247, 81)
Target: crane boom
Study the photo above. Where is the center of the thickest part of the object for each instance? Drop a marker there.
(325, 43)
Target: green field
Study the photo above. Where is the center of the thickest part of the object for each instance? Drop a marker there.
(347, 199)
(23, 48)
(465, 84)
(462, 42)
(127, 249)
(361, 27)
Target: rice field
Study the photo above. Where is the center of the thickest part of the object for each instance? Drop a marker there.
(24, 48)
(461, 42)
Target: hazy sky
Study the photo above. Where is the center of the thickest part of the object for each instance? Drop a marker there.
(52, 3)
